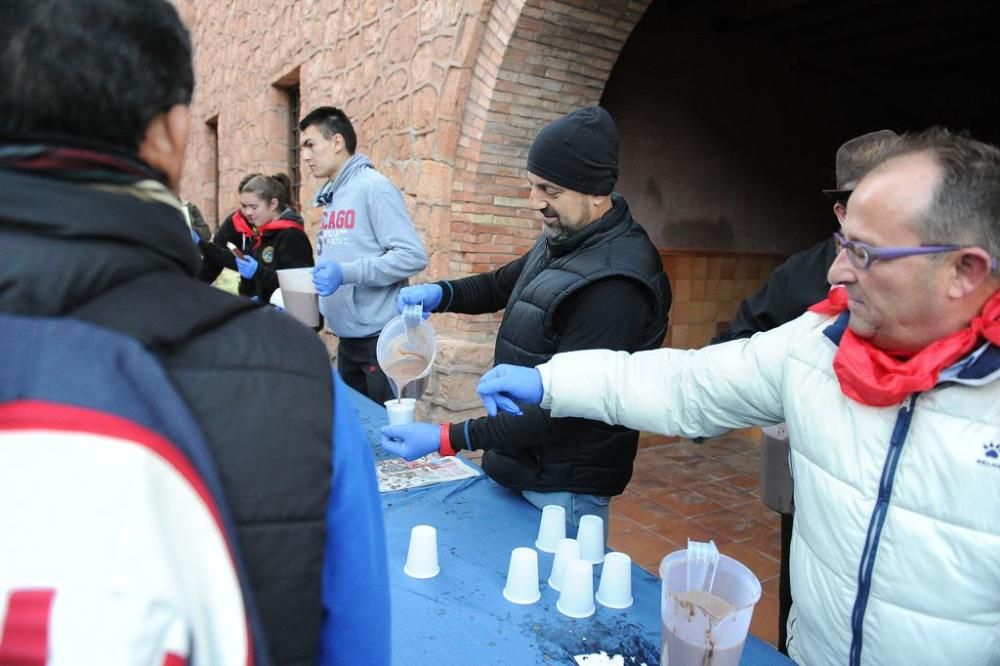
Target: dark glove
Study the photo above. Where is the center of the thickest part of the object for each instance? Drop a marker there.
(327, 277)
(247, 266)
(411, 441)
(427, 294)
(506, 385)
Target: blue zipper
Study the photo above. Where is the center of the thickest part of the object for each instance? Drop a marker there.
(875, 525)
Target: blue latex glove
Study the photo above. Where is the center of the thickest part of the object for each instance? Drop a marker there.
(327, 277)
(506, 385)
(247, 266)
(194, 236)
(428, 294)
(411, 441)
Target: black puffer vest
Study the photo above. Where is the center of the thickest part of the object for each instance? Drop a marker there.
(266, 413)
(576, 455)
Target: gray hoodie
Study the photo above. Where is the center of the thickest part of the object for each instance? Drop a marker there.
(365, 227)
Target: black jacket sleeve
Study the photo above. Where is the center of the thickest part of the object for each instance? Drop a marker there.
(482, 293)
(215, 255)
(793, 286)
(609, 314)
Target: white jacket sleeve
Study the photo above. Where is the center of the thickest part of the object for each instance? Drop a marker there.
(693, 393)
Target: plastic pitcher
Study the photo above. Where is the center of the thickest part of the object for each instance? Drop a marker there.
(299, 295)
(406, 357)
(702, 630)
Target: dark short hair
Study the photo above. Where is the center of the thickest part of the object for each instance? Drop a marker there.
(91, 70)
(330, 120)
(965, 209)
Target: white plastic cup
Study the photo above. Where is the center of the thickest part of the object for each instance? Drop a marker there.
(577, 596)
(401, 411)
(522, 577)
(422, 556)
(299, 295)
(615, 590)
(551, 528)
(692, 630)
(567, 550)
(590, 534)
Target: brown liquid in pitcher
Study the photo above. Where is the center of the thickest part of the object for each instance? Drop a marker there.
(404, 368)
(675, 651)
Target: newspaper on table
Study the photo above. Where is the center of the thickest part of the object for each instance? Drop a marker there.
(398, 474)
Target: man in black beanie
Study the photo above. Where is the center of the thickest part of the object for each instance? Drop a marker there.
(593, 280)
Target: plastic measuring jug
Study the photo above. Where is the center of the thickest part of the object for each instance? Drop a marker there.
(702, 628)
(406, 356)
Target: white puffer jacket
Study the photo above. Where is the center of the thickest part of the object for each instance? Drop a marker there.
(896, 548)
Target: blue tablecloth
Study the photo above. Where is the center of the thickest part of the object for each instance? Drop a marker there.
(461, 617)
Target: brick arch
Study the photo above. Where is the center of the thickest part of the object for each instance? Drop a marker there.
(537, 60)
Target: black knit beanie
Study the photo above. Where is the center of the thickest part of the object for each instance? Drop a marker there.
(578, 151)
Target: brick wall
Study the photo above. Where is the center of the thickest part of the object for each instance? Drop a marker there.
(707, 288)
(446, 96)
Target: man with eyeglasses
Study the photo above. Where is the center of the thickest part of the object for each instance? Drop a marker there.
(890, 389)
(801, 280)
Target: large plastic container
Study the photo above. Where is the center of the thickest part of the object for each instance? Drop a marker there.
(693, 636)
(299, 295)
(403, 355)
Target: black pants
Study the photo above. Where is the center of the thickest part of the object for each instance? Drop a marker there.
(359, 368)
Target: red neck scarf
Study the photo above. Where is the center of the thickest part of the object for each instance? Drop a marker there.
(241, 225)
(879, 378)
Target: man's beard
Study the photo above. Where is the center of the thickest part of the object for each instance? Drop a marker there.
(555, 231)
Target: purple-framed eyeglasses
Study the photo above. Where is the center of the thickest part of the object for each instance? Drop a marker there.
(862, 255)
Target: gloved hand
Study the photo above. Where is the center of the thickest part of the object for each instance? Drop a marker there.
(411, 441)
(194, 236)
(428, 294)
(327, 277)
(506, 385)
(247, 266)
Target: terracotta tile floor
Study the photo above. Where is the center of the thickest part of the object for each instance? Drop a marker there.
(683, 490)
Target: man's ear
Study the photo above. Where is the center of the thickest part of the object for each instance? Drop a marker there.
(165, 142)
(972, 267)
(840, 210)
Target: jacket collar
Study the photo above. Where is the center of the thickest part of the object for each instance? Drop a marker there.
(619, 211)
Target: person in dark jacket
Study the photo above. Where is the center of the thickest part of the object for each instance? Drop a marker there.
(801, 280)
(88, 213)
(592, 280)
(215, 255)
(269, 235)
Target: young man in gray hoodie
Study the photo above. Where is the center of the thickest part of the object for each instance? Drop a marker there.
(366, 247)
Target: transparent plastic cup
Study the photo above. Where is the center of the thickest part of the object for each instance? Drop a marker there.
(402, 411)
(577, 596)
(522, 577)
(422, 556)
(590, 534)
(551, 528)
(705, 628)
(567, 550)
(406, 355)
(615, 589)
(298, 295)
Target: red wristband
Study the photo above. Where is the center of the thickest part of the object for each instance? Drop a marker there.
(445, 448)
